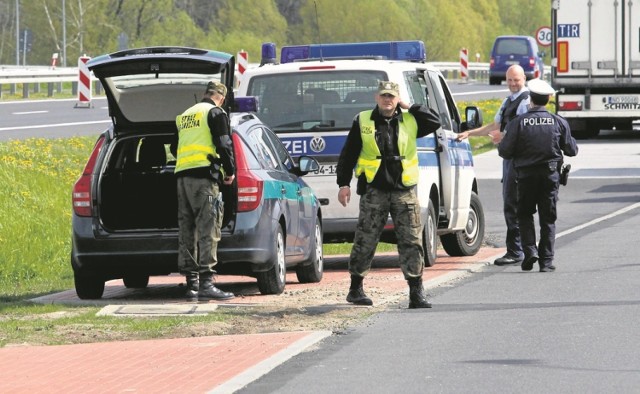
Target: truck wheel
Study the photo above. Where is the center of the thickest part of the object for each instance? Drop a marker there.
(273, 280)
(430, 237)
(88, 286)
(468, 241)
(136, 281)
(311, 270)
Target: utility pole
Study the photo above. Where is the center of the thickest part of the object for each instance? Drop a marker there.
(64, 34)
(17, 32)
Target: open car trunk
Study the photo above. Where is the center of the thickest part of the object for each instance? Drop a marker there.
(137, 188)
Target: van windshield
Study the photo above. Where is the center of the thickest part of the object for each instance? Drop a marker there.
(314, 100)
(512, 46)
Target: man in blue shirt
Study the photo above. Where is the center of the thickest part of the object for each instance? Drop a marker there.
(516, 104)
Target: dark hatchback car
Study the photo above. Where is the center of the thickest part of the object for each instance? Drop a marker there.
(125, 203)
(510, 50)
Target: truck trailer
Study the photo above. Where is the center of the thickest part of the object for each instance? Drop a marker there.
(596, 64)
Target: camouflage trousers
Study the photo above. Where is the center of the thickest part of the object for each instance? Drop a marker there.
(375, 207)
(200, 212)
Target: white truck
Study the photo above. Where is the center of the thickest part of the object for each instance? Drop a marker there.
(310, 98)
(596, 63)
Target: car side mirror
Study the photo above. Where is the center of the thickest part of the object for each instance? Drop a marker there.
(306, 165)
(473, 118)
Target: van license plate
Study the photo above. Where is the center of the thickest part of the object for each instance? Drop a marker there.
(512, 62)
(326, 169)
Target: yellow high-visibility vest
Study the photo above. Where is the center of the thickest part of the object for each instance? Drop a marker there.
(194, 138)
(370, 156)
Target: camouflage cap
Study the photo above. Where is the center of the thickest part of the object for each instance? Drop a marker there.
(388, 87)
(216, 87)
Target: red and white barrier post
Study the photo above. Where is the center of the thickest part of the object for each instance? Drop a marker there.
(243, 64)
(84, 83)
(54, 60)
(464, 64)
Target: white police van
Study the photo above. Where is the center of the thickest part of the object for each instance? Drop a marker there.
(310, 99)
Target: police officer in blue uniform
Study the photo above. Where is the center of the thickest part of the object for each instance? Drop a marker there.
(536, 141)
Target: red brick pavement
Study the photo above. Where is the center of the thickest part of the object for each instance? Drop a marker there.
(188, 365)
(178, 365)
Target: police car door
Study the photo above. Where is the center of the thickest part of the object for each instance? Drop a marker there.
(421, 92)
(292, 196)
(281, 186)
(449, 160)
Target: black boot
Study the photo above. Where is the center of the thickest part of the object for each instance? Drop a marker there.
(356, 292)
(417, 299)
(209, 292)
(192, 287)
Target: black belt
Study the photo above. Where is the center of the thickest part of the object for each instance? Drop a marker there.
(396, 158)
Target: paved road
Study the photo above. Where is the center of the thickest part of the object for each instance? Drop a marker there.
(573, 331)
(504, 330)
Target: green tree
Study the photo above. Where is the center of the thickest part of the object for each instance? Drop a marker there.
(352, 21)
(245, 25)
(93, 26)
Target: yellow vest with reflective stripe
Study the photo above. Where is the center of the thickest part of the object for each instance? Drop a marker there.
(194, 138)
(369, 160)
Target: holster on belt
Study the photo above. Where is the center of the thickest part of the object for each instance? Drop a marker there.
(564, 170)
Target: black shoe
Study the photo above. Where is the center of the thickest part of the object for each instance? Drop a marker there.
(357, 297)
(191, 294)
(423, 303)
(507, 260)
(548, 268)
(192, 287)
(417, 299)
(210, 292)
(528, 262)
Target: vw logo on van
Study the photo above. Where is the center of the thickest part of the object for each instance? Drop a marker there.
(317, 144)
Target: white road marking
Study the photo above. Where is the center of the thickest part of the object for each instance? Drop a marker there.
(29, 112)
(598, 220)
(52, 125)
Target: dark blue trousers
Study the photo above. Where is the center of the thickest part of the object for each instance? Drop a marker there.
(538, 190)
(510, 208)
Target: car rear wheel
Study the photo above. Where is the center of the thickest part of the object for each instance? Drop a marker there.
(88, 286)
(273, 280)
(136, 281)
(311, 271)
(468, 241)
(430, 237)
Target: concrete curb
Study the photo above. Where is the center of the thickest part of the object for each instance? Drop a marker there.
(263, 367)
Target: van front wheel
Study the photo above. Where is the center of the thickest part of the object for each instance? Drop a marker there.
(468, 241)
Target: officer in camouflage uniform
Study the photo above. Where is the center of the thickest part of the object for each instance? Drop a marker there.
(204, 160)
(381, 146)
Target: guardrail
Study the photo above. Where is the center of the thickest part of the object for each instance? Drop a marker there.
(33, 77)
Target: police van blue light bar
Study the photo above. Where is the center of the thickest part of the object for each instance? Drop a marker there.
(413, 51)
